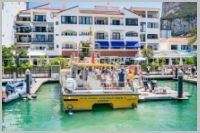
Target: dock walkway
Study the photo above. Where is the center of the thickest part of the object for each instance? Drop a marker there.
(37, 82)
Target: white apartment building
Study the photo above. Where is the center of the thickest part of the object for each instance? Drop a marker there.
(175, 48)
(8, 20)
(117, 32)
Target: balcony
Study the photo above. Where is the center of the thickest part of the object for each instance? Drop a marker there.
(23, 30)
(42, 41)
(39, 18)
(43, 30)
(23, 19)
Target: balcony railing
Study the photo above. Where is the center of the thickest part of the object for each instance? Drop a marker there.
(27, 19)
(43, 30)
(42, 41)
(38, 20)
(23, 30)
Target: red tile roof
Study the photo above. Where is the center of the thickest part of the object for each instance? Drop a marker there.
(177, 40)
(101, 12)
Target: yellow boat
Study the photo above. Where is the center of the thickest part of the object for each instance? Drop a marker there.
(76, 99)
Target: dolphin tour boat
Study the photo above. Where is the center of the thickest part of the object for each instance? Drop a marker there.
(78, 94)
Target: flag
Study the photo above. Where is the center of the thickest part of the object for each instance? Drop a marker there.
(92, 58)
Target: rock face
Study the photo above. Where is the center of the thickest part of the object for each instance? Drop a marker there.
(179, 17)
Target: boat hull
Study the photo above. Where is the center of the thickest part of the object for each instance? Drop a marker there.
(87, 101)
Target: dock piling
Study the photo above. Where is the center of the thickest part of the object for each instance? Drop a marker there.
(180, 84)
(27, 79)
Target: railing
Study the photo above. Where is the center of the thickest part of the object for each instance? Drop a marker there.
(36, 72)
(38, 20)
(42, 41)
(24, 19)
(45, 30)
(23, 30)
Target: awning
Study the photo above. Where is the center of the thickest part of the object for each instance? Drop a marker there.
(102, 44)
(132, 44)
(117, 44)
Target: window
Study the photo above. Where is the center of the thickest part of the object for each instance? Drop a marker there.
(152, 36)
(69, 20)
(101, 21)
(40, 38)
(142, 37)
(50, 38)
(40, 18)
(84, 33)
(142, 26)
(68, 46)
(85, 20)
(57, 34)
(174, 47)
(152, 25)
(57, 23)
(57, 46)
(115, 22)
(194, 47)
(100, 36)
(40, 29)
(131, 21)
(70, 33)
(131, 34)
(185, 47)
(116, 36)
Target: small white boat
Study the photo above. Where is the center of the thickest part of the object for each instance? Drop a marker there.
(14, 91)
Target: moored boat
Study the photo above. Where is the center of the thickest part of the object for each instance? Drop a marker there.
(81, 92)
(13, 91)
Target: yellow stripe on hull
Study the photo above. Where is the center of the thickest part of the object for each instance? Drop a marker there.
(86, 102)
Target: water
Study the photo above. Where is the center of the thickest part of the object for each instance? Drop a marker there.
(44, 113)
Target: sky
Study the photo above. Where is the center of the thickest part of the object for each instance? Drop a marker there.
(92, 4)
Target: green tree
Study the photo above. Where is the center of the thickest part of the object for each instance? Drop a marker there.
(154, 65)
(189, 60)
(18, 52)
(162, 61)
(193, 37)
(63, 62)
(7, 57)
(177, 61)
(147, 53)
(42, 60)
(195, 60)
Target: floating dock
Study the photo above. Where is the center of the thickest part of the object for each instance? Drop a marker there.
(170, 95)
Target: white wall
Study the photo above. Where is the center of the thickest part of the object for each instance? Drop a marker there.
(9, 12)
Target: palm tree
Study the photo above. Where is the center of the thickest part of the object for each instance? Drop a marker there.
(147, 53)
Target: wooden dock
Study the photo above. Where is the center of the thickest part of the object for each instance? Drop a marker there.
(170, 95)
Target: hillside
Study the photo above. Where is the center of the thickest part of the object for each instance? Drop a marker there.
(180, 17)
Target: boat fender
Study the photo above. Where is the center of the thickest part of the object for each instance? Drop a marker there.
(134, 106)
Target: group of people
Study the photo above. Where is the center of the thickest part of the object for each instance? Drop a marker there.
(109, 77)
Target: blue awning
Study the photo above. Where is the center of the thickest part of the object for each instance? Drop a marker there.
(132, 44)
(102, 44)
(117, 44)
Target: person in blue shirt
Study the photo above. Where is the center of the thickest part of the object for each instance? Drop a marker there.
(121, 78)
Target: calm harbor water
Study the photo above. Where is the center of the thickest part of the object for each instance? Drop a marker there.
(44, 113)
